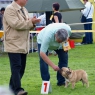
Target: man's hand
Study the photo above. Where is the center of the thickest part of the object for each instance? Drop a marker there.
(35, 20)
(56, 68)
(48, 61)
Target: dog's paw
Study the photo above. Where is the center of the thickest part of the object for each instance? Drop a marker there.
(65, 86)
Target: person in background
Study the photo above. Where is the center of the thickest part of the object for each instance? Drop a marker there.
(56, 17)
(51, 38)
(17, 25)
(88, 13)
(1, 17)
(43, 20)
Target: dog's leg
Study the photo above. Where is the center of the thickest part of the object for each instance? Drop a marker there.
(85, 79)
(73, 85)
(86, 82)
(66, 84)
(82, 82)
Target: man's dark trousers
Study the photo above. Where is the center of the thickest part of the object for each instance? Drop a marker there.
(17, 65)
(88, 35)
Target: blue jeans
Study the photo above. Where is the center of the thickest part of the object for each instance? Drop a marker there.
(88, 35)
(44, 69)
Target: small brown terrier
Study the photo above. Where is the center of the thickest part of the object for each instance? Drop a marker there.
(74, 76)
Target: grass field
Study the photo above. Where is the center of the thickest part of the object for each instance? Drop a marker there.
(81, 57)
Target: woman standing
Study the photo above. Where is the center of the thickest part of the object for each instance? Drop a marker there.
(56, 17)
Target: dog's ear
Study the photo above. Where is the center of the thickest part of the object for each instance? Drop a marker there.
(69, 69)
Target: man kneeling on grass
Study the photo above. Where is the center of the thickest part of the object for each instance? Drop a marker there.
(51, 38)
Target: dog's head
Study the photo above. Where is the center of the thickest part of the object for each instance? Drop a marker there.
(65, 72)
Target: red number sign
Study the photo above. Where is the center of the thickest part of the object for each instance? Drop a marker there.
(45, 87)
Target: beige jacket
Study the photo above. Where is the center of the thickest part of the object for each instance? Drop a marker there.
(16, 29)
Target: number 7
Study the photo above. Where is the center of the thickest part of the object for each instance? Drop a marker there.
(45, 87)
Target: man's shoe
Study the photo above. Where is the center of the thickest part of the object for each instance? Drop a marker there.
(63, 84)
(22, 92)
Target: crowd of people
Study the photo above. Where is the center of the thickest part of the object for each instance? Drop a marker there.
(17, 24)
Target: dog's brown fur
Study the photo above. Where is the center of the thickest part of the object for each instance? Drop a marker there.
(74, 76)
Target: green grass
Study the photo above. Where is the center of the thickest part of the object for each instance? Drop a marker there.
(81, 57)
